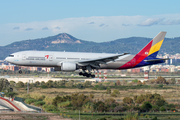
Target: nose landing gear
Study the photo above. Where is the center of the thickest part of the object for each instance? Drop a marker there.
(20, 71)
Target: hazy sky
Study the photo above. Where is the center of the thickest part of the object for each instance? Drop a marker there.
(92, 20)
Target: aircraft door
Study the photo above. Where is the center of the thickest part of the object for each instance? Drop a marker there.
(23, 57)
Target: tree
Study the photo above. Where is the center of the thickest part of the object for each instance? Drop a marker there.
(124, 82)
(128, 100)
(110, 101)
(4, 84)
(161, 80)
(43, 83)
(100, 106)
(146, 106)
(37, 83)
(139, 82)
(49, 84)
(20, 84)
(160, 102)
(172, 81)
(118, 83)
(140, 99)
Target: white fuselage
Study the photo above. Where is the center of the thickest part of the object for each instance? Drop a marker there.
(54, 58)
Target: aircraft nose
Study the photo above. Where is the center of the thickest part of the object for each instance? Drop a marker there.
(7, 59)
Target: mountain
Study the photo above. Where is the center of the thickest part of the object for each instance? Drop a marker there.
(66, 42)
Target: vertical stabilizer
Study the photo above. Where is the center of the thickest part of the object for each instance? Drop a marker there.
(156, 44)
(150, 51)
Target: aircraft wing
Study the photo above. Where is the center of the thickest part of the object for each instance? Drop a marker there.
(96, 62)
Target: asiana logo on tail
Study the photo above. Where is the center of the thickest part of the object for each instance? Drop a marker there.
(46, 56)
(146, 53)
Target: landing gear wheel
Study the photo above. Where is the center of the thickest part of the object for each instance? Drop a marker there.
(20, 71)
(93, 76)
(88, 75)
(85, 74)
(80, 73)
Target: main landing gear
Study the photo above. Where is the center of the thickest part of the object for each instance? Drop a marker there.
(87, 74)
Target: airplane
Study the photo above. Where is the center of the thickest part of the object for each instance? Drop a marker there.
(71, 61)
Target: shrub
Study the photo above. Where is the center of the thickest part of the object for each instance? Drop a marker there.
(160, 85)
(44, 86)
(113, 94)
(11, 94)
(128, 100)
(146, 106)
(39, 103)
(160, 102)
(30, 100)
(162, 109)
(116, 91)
(64, 104)
(41, 97)
(108, 91)
(20, 84)
(80, 86)
(50, 108)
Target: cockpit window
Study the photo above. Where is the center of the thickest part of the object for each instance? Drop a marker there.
(11, 55)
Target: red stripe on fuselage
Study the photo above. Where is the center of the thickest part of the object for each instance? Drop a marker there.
(138, 57)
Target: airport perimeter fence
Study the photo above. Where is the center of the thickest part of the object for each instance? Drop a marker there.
(29, 106)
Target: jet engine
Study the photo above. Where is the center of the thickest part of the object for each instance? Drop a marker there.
(67, 66)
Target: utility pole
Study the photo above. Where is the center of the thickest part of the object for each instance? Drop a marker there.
(27, 87)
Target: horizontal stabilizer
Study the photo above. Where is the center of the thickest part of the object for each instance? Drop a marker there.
(153, 60)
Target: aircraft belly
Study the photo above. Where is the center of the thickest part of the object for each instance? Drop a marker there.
(113, 65)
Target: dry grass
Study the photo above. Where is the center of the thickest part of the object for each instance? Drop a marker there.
(169, 94)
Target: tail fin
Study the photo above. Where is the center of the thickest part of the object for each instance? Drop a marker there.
(149, 52)
(156, 44)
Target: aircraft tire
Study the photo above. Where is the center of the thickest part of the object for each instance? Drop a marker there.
(20, 71)
(80, 73)
(84, 74)
(88, 75)
(93, 76)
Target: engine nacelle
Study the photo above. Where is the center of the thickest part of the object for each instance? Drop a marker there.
(69, 66)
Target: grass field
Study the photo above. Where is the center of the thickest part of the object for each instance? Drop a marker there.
(171, 94)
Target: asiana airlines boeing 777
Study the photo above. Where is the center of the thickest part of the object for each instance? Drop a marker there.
(71, 61)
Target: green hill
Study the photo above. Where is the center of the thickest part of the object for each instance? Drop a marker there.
(66, 42)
